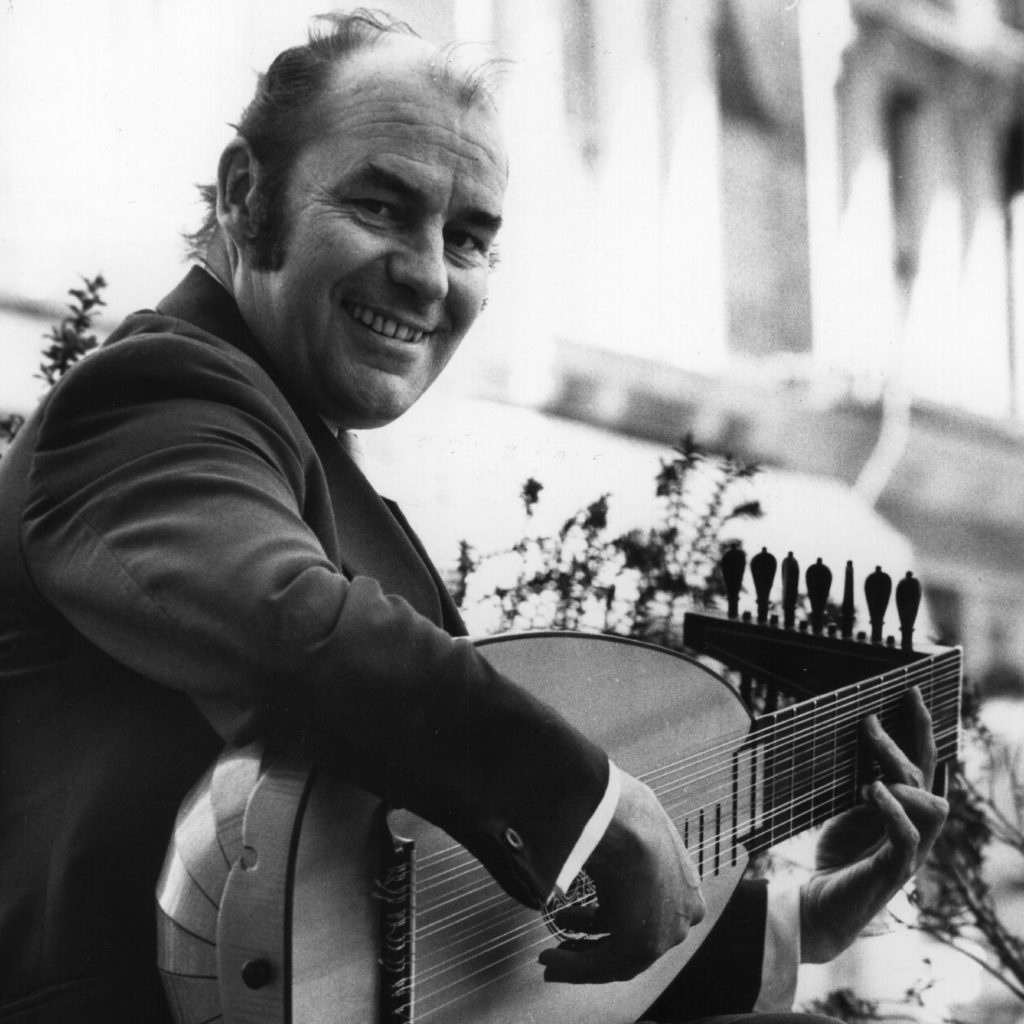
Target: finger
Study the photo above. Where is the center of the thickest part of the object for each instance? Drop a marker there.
(925, 753)
(895, 764)
(581, 919)
(850, 836)
(926, 811)
(596, 963)
(901, 850)
(912, 819)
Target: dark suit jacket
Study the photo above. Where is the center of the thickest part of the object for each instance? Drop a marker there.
(190, 556)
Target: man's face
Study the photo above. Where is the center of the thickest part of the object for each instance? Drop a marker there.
(390, 215)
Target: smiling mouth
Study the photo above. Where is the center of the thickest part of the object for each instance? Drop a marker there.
(384, 325)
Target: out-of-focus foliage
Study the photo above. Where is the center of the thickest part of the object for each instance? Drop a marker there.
(69, 340)
(955, 897)
(638, 583)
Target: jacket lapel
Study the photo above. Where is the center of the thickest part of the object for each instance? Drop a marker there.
(451, 618)
(372, 541)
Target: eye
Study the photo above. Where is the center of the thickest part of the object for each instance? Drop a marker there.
(463, 241)
(466, 243)
(376, 207)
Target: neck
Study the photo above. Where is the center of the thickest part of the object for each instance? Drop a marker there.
(217, 263)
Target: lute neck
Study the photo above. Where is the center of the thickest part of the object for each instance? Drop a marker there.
(803, 764)
(807, 762)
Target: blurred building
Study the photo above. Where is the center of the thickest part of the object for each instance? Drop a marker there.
(793, 229)
(796, 229)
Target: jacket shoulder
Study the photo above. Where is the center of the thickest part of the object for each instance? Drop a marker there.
(149, 347)
(151, 360)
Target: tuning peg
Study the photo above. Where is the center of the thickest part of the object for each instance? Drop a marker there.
(762, 569)
(908, 600)
(790, 584)
(819, 582)
(733, 563)
(846, 613)
(877, 590)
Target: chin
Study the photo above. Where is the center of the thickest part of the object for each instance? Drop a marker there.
(366, 408)
(379, 415)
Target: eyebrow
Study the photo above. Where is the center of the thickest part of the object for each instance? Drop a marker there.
(380, 177)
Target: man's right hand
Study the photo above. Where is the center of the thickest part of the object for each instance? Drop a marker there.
(648, 893)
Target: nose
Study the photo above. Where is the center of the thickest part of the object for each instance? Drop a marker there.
(418, 262)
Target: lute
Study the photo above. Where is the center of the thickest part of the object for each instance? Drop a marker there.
(289, 895)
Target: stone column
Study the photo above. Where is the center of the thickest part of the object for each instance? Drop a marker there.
(692, 272)
(826, 31)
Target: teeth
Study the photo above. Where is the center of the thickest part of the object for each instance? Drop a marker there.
(385, 325)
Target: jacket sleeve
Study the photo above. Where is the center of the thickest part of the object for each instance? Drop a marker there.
(724, 975)
(166, 520)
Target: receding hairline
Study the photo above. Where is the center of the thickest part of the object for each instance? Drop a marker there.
(470, 80)
(290, 105)
(419, 66)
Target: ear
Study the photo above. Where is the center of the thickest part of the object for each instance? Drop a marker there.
(236, 179)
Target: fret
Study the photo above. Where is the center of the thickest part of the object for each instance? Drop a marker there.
(793, 775)
(717, 843)
(733, 853)
(718, 838)
(814, 711)
(784, 778)
(700, 844)
(748, 769)
(852, 779)
(833, 801)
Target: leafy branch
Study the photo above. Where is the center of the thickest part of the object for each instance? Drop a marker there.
(638, 583)
(70, 340)
(954, 897)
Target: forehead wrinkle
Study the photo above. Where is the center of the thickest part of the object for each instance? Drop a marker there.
(453, 139)
(423, 157)
(399, 115)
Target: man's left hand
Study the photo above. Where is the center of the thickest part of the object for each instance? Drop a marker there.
(867, 854)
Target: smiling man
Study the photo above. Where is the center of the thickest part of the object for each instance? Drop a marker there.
(192, 556)
(389, 218)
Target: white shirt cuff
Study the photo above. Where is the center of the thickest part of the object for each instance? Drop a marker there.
(782, 926)
(592, 833)
(781, 949)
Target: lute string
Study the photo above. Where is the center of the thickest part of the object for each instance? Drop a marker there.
(777, 812)
(780, 811)
(799, 808)
(838, 716)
